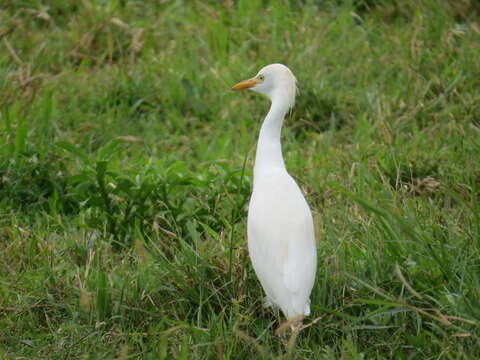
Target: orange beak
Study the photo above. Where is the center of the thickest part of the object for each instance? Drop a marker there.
(246, 84)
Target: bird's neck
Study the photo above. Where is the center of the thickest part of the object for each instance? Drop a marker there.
(269, 149)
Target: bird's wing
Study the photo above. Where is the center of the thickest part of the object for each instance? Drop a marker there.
(281, 241)
(300, 259)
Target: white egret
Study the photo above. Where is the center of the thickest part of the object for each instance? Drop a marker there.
(281, 239)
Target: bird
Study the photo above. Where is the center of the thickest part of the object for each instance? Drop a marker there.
(280, 230)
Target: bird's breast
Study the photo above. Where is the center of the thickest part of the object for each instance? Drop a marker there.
(277, 200)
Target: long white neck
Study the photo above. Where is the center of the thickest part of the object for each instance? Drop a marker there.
(269, 149)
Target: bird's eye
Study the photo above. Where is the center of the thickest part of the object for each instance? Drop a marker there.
(261, 77)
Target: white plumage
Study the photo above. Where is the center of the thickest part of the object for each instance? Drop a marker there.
(281, 239)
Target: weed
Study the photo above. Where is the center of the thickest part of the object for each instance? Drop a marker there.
(125, 173)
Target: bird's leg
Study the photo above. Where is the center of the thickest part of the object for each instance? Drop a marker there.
(295, 325)
(290, 346)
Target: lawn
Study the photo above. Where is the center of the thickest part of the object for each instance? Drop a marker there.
(126, 170)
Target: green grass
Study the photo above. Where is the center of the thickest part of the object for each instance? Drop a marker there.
(126, 168)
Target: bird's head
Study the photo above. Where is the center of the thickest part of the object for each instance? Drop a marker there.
(276, 81)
